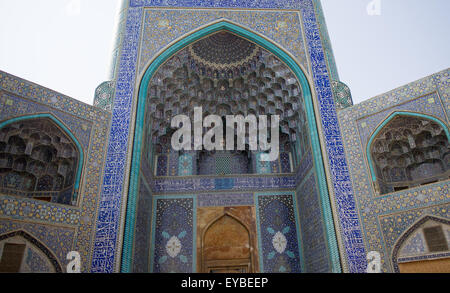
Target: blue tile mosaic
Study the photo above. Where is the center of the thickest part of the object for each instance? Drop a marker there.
(280, 4)
(279, 248)
(189, 185)
(312, 227)
(161, 166)
(105, 246)
(107, 243)
(173, 236)
(142, 245)
(225, 200)
(350, 228)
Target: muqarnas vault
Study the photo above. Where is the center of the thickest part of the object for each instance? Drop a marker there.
(104, 181)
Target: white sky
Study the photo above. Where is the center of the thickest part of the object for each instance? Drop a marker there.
(57, 45)
(65, 45)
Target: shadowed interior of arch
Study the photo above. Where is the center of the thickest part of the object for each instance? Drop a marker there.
(39, 159)
(225, 75)
(409, 150)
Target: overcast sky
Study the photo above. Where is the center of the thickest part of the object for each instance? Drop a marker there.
(65, 45)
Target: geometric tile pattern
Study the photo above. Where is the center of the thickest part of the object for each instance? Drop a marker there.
(32, 210)
(279, 242)
(414, 246)
(262, 167)
(282, 26)
(13, 106)
(161, 167)
(107, 239)
(382, 218)
(423, 216)
(141, 249)
(34, 261)
(60, 228)
(55, 241)
(429, 104)
(173, 235)
(185, 166)
(285, 162)
(315, 251)
(349, 229)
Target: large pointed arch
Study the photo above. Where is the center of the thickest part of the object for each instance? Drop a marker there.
(284, 56)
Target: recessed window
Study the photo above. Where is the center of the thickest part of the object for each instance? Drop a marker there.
(12, 258)
(435, 238)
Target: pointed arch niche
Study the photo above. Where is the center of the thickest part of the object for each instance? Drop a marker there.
(226, 240)
(424, 247)
(409, 150)
(40, 159)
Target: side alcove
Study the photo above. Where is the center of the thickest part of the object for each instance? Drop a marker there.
(38, 160)
(410, 151)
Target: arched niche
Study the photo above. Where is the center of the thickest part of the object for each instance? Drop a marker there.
(39, 158)
(409, 150)
(20, 252)
(424, 247)
(226, 246)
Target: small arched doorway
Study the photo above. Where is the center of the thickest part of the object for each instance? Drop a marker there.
(227, 242)
(226, 247)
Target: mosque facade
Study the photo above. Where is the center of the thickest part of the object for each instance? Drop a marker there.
(354, 187)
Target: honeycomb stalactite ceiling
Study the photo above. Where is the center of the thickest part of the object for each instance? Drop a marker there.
(411, 150)
(223, 55)
(263, 86)
(35, 157)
